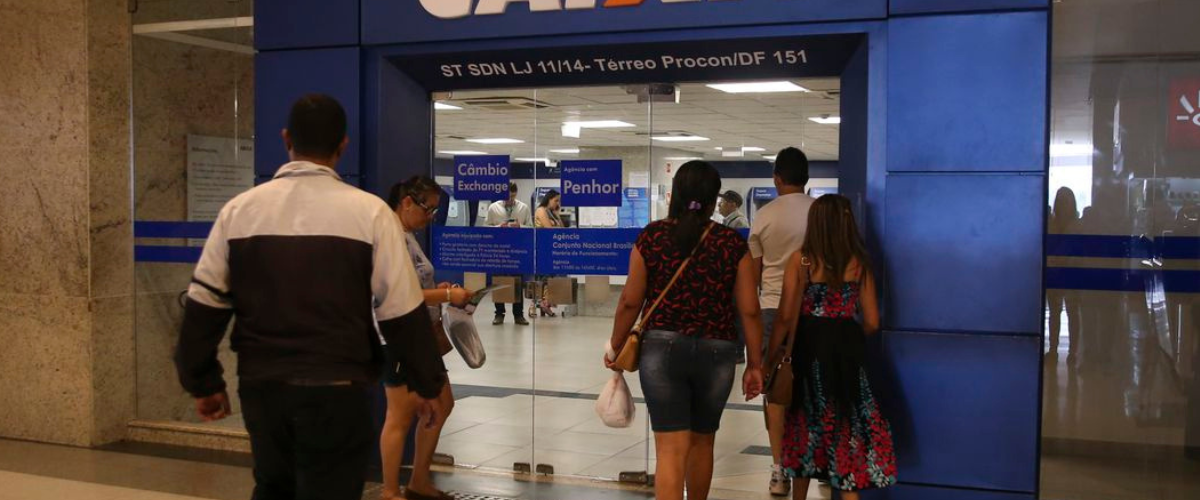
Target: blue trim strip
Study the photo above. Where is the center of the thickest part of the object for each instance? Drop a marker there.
(157, 253)
(1122, 247)
(171, 229)
(1180, 247)
(1121, 280)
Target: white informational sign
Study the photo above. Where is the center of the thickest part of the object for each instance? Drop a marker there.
(597, 216)
(639, 179)
(218, 168)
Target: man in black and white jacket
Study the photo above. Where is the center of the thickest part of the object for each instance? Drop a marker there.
(300, 262)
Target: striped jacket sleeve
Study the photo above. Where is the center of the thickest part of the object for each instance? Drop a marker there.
(206, 316)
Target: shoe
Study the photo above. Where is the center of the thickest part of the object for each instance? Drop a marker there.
(520, 320)
(781, 485)
(499, 320)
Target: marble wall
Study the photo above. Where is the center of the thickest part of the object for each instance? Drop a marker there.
(66, 291)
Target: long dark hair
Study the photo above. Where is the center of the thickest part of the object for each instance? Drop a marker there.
(1066, 210)
(693, 196)
(417, 186)
(550, 195)
(832, 239)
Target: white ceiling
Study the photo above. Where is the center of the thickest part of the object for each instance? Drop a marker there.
(731, 121)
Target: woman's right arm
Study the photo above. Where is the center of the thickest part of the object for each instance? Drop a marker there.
(794, 281)
(632, 299)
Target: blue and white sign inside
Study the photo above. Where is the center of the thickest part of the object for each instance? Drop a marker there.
(585, 251)
(591, 183)
(483, 249)
(481, 178)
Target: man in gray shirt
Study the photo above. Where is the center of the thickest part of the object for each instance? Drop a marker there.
(777, 233)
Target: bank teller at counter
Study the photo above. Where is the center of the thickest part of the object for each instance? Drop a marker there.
(510, 213)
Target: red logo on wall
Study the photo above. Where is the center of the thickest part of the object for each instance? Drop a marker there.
(1183, 130)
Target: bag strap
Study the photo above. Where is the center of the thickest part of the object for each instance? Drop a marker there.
(661, 295)
(791, 337)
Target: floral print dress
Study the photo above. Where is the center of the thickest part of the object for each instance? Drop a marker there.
(834, 430)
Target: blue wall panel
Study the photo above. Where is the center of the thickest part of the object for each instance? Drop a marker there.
(964, 408)
(294, 24)
(967, 93)
(400, 128)
(912, 492)
(964, 252)
(930, 6)
(284, 76)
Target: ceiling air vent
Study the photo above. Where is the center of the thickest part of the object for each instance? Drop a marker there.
(504, 103)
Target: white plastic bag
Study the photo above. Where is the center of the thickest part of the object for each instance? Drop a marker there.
(461, 326)
(615, 404)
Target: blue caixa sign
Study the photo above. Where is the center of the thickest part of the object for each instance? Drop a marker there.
(591, 183)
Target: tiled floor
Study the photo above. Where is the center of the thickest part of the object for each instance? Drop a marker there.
(536, 402)
(532, 402)
(32, 471)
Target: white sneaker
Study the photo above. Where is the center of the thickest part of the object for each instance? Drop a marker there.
(781, 485)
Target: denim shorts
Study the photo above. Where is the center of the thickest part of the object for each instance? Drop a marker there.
(686, 380)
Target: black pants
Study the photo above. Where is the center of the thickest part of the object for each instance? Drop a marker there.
(308, 442)
(518, 308)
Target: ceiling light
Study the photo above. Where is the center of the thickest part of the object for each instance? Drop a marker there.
(757, 87)
(826, 120)
(751, 149)
(441, 106)
(769, 158)
(601, 124)
(495, 140)
(732, 154)
(679, 138)
(571, 130)
(461, 152)
(682, 158)
(568, 151)
(535, 160)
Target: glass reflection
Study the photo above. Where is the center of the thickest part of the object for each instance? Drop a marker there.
(1121, 403)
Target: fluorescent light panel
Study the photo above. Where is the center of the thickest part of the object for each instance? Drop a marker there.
(441, 106)
(570, 151)
(679, 138)
(682, 158)
(543, 160)
(757, 87)
(495, 140)
(826, 120)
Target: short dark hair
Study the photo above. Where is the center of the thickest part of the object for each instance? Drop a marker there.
(732, 197)
(791, 165)
(512, 187)
(317, 126)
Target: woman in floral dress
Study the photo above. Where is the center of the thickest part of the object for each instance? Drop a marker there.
(834, 429)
